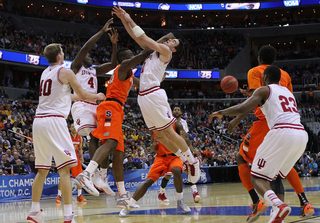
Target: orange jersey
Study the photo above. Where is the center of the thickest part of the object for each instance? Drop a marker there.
(119, 89)
(161, 149)
(76, 141)
(255, 81)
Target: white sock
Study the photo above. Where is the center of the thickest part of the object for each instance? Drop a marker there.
(180, 154)
(272, 198)
(194, 188)
(93, 165)
(35, 207)
(121, 188)
(180, 195)
(104, 172)
(67, 209)
(59, 193)
(79, 192)
(189, 156)
(162, 190)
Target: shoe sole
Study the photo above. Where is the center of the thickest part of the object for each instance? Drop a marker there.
(183, 211)
(82, 185)
(256, 217)
(197, 199)
(307, 215)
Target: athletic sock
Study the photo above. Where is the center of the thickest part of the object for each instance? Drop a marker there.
(272, 198)
(79, 192)
(190, 156)
(121, 187)
(164, 183)
(93, 165)
(194, 188)
(35, 207)
(59, 193)
(254, 196)
(67, 209)
(180, 154)
(303, 199)
(180, 195)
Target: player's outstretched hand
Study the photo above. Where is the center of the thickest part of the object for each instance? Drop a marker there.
(120, 13)
(113, 36)
(101, 96)
(232, 124)
(215, 114)
(106, 26)
(245, 92)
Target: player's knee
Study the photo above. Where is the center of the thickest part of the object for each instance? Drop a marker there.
(176, 171)
(240, 159)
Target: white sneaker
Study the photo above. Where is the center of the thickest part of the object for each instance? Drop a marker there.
(124, 213)
(183, 206)
(38, 218)
(69, 219)
(194, 172)
(125, 202)
(84, 181)
(101, 183)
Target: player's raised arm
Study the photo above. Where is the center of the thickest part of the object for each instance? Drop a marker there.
(106, 67)
(258, 98)
(68, 77)
(77, 62)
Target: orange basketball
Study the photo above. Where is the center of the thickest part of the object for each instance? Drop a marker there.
(229, 84)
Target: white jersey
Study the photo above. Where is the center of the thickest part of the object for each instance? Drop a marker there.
(152, 72)
(184, 125)
(54, 96)
(87, 77)
(280, 109)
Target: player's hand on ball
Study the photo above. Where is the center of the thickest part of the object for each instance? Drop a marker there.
(101, 96)
(215, 114)
(106, 26)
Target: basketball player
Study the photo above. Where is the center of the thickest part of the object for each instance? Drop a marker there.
(266, 56)
(152, 99)
(75, 171)
(284, 143)
(165, 162)
(161, 196)
(50, 132)
(84, 113)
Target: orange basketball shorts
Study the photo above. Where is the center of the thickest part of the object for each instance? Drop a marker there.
(253, 139)
(76, 170)
(110, 117)
(162, 165)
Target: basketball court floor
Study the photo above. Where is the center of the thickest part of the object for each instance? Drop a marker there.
(221, 203)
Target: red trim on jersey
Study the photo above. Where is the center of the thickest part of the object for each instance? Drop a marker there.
(148, 91)
(67, 163)
(260, 176)
(88, 102)
(43, 167)
(163, 127)
(86, 126)
(281, 175)
(58, 76)
(288, 125)
(46, 116)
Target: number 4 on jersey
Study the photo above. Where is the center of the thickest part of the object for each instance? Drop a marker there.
(91, 83)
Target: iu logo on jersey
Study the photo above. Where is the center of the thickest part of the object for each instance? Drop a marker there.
(261, 163)
(78, 121)
(67, 152)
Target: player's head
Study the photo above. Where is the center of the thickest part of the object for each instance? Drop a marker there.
(124, 54)
(72, 128)
(271, 75)
(267, 55)
(54, 53)
(176, 45)
(177, 112)
(87, 62)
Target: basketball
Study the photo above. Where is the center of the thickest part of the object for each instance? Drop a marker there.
(229, 84)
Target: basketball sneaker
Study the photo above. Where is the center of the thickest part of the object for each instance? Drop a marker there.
(194, 172)
(162, 197)
(125, 202)
(84, 181)
(101, 183)
(36, 218)
(196, 197)
(183, 207)
(58, 200)
(307, 210)
(69, 219)
(257, 210)
(124, 213)
(278, 213)
(81, 199)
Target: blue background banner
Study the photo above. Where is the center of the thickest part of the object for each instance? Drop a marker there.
(20, 186)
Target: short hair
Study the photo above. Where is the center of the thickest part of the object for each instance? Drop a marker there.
(273, 73)
(51, 52)
(179, 48)
(177, 106)
(121, 53)
(267, 54)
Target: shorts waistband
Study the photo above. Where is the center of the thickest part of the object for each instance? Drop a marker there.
(148, 91)
(46, 116)
(89, 102)
(288, 125)
(114, 99)
(170, 154)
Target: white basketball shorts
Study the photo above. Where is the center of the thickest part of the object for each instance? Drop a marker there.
(155, 109)
(51, 138)
(278, 153)
(84, 115)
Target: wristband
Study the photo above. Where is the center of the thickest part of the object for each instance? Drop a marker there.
(137, 31)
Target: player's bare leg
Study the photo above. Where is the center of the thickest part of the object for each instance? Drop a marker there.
(281, 210)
